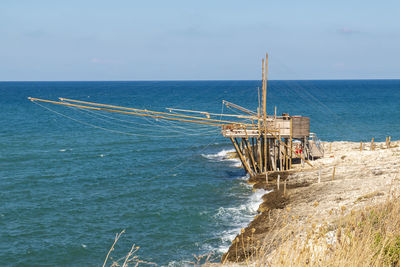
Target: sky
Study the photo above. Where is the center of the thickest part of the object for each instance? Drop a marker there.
(89, 40)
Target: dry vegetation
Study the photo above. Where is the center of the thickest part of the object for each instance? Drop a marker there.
(128, 260)
(351, 219)
(367, 237)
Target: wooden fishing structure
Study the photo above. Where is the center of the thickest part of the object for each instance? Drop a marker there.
(264, 143)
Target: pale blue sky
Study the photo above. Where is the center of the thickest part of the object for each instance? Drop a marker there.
(198, 40)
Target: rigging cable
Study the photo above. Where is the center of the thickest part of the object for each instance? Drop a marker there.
(102, 128)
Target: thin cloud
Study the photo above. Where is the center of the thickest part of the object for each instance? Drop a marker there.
(347, 31)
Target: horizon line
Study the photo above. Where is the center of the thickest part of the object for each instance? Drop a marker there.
(202, 80)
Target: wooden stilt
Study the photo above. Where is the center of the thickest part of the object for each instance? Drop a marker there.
(285, 154)
(275, 155)
(242, 158)
(253, 152)
(259, 140)
(250, 152)
(262, 153)
(265, 153)
(270, 155)
(278, 181)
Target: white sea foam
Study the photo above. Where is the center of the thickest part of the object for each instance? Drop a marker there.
(220, 155)
(223, 156)
(62, 150)
(237, 217)
(237, 163)
(179, 264)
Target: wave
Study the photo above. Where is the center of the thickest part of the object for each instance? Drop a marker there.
(181, 263)
(224, 155)
(237, 217)
(220, 156)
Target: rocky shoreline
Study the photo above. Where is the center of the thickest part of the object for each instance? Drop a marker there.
(347, 178)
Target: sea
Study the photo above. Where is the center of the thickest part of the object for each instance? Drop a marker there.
(71, 179)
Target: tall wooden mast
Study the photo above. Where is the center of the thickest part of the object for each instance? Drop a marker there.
(264, 107)
(264, 92)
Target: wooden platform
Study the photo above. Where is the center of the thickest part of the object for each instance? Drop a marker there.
(284, 126)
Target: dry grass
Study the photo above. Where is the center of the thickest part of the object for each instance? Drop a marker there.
(367, 237)
(129, 259)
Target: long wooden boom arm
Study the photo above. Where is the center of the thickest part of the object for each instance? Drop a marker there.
(212, 114)
(198, 120)
(245, 110)
(145, 111)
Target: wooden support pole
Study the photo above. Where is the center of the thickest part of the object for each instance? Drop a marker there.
(303, 151)
(275, 155)
(250, 150)
(278, 181)
(333, 174)
(264, 103)
(253, 144)
(264, 96)
(259, 140)
(372, 144)
(280, 150)
(361, 146)
(242, 158)
(260, 153)
(265, 152)
(389, 140)
(285, 154)
(291, 151)
(253, 151)
(387, 143)
(250, 153)
(291, 143)
(267, 156)
(263, 83)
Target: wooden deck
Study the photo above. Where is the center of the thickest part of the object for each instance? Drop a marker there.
(296, 127)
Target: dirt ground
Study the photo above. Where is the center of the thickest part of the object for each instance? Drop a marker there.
(344, 179)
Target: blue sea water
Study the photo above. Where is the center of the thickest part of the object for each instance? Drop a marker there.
(71, 179)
